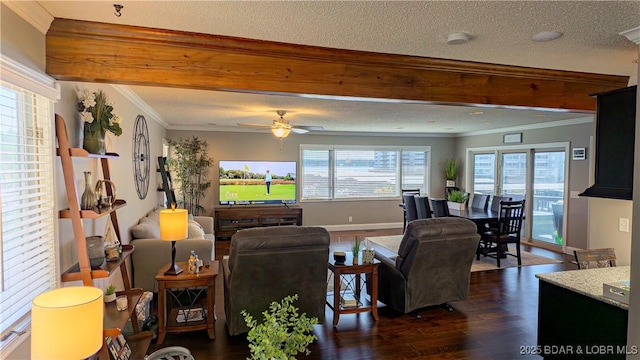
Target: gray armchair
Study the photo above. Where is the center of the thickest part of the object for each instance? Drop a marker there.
(432, 267)
(270, 263)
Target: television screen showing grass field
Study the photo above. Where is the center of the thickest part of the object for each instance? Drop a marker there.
(257, 182)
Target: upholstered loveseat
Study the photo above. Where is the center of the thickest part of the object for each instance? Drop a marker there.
(270, 263)
(151, 253)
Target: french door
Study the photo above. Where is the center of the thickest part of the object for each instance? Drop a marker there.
(536, 174)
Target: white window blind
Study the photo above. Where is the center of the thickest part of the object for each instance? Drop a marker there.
(366, 173)
(415, 170)
(353, 172)
(316, 175)
(27, 209)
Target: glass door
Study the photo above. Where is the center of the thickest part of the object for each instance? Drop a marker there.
(548, 195)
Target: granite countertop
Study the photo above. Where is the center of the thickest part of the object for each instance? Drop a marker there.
(589, 282)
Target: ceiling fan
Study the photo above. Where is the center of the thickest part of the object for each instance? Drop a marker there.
(281, 127)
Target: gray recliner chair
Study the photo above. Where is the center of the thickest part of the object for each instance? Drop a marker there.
(270, 263)
(433, 265)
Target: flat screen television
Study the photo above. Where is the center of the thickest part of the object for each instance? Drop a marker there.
(257, 182)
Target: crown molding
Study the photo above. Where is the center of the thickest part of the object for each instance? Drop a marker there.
(632, 34)
(32, 13)
(568, 122)
(141, 104)
(25, 77)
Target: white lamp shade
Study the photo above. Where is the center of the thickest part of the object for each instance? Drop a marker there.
(281, 132)
(174, 224)
(67, 323)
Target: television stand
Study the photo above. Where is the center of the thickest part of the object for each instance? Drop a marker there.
(228, 220)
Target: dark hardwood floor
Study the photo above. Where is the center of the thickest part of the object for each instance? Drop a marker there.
(500, 316)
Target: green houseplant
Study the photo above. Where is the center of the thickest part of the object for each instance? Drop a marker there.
(451, 172)
(456, 200)
(191, 163)
(355, 249)
(110, 294)
(283, 333)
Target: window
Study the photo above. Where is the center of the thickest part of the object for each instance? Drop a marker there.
(331, 172)
(27, 231)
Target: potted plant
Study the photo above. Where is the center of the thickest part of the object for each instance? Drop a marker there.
(451, 172)
(110, 294)
(190, 162)
(456, 200)
(283, 333)
(355, 249)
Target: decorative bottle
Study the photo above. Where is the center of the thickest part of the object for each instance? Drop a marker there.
(89, 199)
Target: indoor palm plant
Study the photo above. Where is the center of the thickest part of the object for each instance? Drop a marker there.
(190, 162)
(283, 333)
(97, 116)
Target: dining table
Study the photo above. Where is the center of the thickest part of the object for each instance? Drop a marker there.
(477, 215)
(480, 217)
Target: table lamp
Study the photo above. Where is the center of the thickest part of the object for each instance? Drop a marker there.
(66, 323)
(173, 227)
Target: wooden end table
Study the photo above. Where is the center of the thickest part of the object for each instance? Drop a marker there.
(191, 286)
(353, 288)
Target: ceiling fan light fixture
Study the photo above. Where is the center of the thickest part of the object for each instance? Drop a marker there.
(280, 132)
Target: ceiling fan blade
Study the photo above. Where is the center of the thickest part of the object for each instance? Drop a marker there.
(299, 131)
(255, 125)
(308, 128)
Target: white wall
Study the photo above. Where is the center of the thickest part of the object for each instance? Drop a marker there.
(603, 227)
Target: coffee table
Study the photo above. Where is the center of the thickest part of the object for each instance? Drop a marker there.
(181, 295)
(353, 288)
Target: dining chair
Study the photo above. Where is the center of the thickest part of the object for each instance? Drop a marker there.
(480, 201)
(402, 204)
(423, 209)
(496, 240)
(410, 211)
(605, 257)
(440, 208)
(495, 201)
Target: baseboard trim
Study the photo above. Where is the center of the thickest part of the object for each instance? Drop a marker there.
(351, 227)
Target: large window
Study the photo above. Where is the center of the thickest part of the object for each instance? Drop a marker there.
(27, 230)
(331, 172)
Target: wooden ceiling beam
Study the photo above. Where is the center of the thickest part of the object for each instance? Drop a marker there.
(99, 52)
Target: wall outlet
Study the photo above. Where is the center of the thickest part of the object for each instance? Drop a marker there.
(350, 218)
(574, 194)
(623, 224)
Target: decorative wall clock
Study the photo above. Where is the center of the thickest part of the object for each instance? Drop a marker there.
(141, 164)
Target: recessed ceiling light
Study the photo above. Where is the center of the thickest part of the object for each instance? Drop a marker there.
(212, 124)
(476, 113)
(431, 121)
(487, 122)
(457, 38)
(546, 36)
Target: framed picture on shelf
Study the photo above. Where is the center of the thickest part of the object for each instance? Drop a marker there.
(118, 347)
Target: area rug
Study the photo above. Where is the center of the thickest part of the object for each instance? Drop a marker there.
(392, 243)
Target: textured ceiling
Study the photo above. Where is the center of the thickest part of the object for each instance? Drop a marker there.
(500, 33)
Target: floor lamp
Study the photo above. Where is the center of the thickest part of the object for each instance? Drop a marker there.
(66, 323)
(174, 227)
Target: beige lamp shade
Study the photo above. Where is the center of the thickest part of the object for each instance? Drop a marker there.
(174, 224)
(66, 323)
(280, 132)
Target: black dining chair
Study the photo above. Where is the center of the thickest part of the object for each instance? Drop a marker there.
(423, 208)
(410, 210)
(494, 241)
(402, 205)
(480, 201)
(440, 208)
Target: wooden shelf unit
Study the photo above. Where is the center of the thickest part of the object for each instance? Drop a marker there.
(228, 220)
(114, 320)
